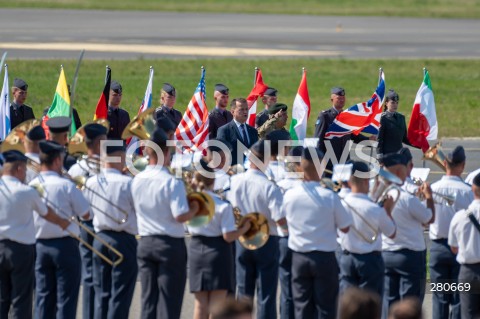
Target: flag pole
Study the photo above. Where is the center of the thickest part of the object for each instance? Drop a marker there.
(4, 56)
(106, 73)
(380, 71)
(424, 72)
(74, 83)
(255, 77)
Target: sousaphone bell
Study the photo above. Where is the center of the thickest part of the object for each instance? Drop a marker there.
(15, 139)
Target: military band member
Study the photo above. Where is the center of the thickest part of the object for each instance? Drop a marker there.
(258, 269)
(277, 120)
(293, 169)
(269, 98)
(443, 265)
(278, 148)
(59, 128)
(404, 255)
(113, 286)
(161, 205)
(168, 96)
(87, 167)
(210, 255)
(219, 116)
(17, 236)
(361, 263)
(19, 112)
(313, 215)
(220, 165)
(464, 240)
(58, 263)
(118, 118)
(471, 176)
(32, 149)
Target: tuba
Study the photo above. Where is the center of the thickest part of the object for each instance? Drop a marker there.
(14, 140)
(436, 155)
(259, 232)
(384, 182)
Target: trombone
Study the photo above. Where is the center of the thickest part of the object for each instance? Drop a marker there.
(449, 200)
(369, 239)
(41, 191)
(259, 232)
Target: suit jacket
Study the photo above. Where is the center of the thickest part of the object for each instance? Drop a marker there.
(231, 134)
(174, 115)
(19, 114)
(118, 119)
(216, 120)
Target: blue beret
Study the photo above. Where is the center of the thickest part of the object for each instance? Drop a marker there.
(159, 137)
(165, 123)
(275, 108)
(476, 180)
(406, 153)
(59, 124)
(50, 147)
(21, 84)
(13, 156)
(456, 156)
(221, 88)
(270, 92)
(94, 130)
(307, 153)
(36, 133)
(169, 89)
(392, 159)
(392, 96)
(337, 91)
(116, 87)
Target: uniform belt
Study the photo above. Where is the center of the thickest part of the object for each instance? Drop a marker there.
(441, 240)
(346, 252)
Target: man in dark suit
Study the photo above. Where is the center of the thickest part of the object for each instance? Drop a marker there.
(19, 112)
(238, 130)
(167, 99)
(118, 118)
(269, 98)
(219, 116)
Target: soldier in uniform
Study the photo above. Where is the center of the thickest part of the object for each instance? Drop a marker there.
(269, 98)
(32, 149)
(277, 120)
(219, 116)
(58, 263)
(471, 176)
(219, 166)
(118, 118)
(464, 240)
(165, 123)
(325, 118)
(17, 236)
(59, 127)
(167, 99)
(443, 265)
(19, 112)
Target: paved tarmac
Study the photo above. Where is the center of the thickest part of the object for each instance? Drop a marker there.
(48, 33)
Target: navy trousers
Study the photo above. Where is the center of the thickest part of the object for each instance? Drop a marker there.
(17, 277)
(258, 270)
(57, 271)
(162, 264)
(114, 286)
(315, 284)
(285, 278)
(444, 268)
(470, 302)
(365, 271)
(88, 294)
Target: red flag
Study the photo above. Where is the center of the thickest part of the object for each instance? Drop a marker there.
(101, 112)
(258, 89)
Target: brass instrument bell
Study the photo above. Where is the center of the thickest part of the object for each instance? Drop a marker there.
(14, 140)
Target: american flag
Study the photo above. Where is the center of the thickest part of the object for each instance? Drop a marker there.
(357, 117)
(192, 132)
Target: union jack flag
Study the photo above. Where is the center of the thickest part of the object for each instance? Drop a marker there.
(193, 128)
(360, 116)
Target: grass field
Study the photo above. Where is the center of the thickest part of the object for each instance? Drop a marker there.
(404, 8)
(455, 83)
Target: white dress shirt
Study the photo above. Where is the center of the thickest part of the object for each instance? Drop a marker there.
(465, 236)
(344, 191)
(65, 199)
(313, 216)
(375, 215)
(409, 215)
(17, 203)
(82, 168)
(159, 198)
(238, 124)
(253, 192)
(222, 222)
(276, 171)
(222, 180)
(117, 188)
(471, 176)
(31, 174)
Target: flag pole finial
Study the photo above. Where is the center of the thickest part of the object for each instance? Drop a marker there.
(151, 67)
(61, 66)
(424, 70)
(303, 69)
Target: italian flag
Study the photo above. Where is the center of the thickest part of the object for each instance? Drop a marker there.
(258, 89)
(423, 125)
(300, 111)
(60, 105)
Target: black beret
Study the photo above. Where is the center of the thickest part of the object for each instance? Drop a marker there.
(21, 84)
(359, 166)
(36, 133)
(59, 124)
(296, 151)
(258, 148)
(116, 87)
(307, 153)
(50, 147)
(221, 88)
(165, 123)
(276, 108)
(159, 137)
(115, 148)
(392, 159)
(392, 96)
(270, 92)
(337, 91)
(406, 153)
(456, 156)
(278, 135)
(476, 180)
(13, 156)
(169, 89)
(94, 130)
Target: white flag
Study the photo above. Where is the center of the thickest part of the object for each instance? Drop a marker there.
(5, 108)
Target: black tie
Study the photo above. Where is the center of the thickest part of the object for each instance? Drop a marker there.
(244, 133)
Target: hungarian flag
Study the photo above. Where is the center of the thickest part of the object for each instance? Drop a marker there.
(258, 89)
(60, 105)
(423, 126)
(101, 111)
(300, 111)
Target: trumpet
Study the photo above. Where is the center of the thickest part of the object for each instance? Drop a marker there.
(384, 182)
(259, 232)
(41, 191)
(449, 200)
(369, 239)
